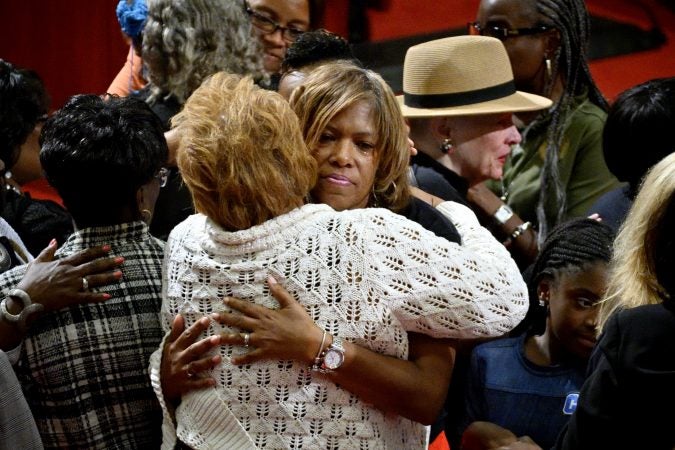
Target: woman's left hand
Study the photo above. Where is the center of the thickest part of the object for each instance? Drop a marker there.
(287, 333)
(184, 359)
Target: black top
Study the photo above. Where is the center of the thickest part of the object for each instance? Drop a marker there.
(174, 203)
(36, 222)
(613, 207)
(436, 179)
(427, 216)
(627, 400)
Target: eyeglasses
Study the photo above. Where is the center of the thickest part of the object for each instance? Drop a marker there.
(163, 176)
(269, 26)
(502, 33)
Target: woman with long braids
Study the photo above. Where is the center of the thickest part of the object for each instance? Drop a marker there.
(528, 384)
(558, 170)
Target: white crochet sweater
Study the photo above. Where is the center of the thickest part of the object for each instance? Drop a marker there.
(366, 275)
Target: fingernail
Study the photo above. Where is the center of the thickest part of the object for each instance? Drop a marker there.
(52, 242)
(215, 340)
(107, 296)
(226, 300)
(271, 280)
(119, 259)
(118, 274)
(106, 248)
(204, 321)
(215, 316)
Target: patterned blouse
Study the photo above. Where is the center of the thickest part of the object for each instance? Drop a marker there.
(83, 369)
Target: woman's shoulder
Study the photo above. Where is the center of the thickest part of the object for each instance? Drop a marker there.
(661, 318)
(497, 348)
(627, 338)
(385, 223)
(188, 225)
(585, 111)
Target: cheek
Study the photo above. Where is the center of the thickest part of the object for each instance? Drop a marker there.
(368, 168)
(525, 59)
(321, 155)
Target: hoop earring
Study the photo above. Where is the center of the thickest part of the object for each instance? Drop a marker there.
(146, 216)
(446, 146)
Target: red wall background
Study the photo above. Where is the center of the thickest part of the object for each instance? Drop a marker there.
(75, 45)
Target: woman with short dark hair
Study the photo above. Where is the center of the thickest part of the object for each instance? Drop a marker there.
(83, 365)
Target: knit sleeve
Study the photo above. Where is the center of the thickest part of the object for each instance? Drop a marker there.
(168, 425)
(443, 289)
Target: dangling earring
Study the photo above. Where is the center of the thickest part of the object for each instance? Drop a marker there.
(549, 70)
(446, 146)
(146, 216)
(542, 300)
(375, 203)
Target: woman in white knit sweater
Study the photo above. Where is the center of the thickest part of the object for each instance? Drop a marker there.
(367, 276)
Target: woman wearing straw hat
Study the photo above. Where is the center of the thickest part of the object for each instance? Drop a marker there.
(459, 97)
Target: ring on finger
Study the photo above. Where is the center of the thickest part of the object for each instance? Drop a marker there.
(247, 339)
(85, 284)
(190, 372)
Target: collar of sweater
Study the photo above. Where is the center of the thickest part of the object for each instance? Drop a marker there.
(261, 236)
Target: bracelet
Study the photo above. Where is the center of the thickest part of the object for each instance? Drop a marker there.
(520, 229)
(318, 359)
(29, 308)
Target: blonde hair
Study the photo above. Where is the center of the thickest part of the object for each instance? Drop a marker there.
(641, 268)
(185, 41)
(333, 87)
(241, 153)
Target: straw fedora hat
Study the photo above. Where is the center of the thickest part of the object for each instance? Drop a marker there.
(462, 75)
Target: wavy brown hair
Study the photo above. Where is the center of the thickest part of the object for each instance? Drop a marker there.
(241, 153)
(333, 87)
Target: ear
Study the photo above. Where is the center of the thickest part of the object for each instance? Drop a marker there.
(141, 198)
(441, 128)
(552, 44)
(544, 289)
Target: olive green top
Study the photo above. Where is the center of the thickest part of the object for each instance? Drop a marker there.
(583, 171)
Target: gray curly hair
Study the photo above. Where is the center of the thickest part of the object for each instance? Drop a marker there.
(185, 41)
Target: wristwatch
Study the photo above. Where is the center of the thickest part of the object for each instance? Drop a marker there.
(334, 356)
(503, 214)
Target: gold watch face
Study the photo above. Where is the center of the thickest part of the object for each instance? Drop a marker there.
(333, 359)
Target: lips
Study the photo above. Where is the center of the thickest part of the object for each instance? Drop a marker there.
(337, 179)
(502, 159)
(588, 341)
(272, 54)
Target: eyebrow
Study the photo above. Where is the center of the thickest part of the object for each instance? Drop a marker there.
(587, 292)
(275, 16)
